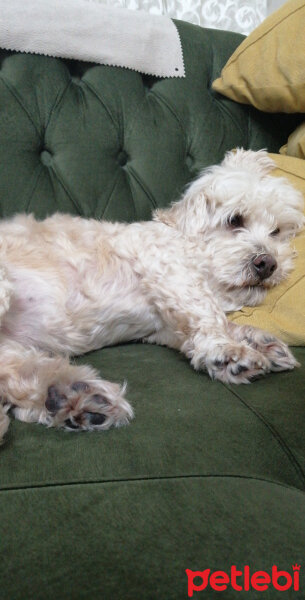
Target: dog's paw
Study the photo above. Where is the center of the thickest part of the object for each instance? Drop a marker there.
(236, 363)
(82, 405)
(277, 352)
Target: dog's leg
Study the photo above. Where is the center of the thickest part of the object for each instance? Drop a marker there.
(200, 329)
(48, 389)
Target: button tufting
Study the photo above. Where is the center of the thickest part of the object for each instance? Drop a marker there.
(77, 69)
(122, 158)
(46, 158)
(148, 82)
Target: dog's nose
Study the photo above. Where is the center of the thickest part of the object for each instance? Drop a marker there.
(264, 265)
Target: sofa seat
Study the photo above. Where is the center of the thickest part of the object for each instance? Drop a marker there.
(206, 476)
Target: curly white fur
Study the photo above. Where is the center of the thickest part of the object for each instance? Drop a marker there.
(69, 285)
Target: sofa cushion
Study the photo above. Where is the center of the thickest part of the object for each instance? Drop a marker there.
(206, 476)
(296, 143)
(185, 425)
(267, 69)
(135, 539)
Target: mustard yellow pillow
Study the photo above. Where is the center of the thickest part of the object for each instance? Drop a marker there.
(267, 69)
(296, 143)
(283, 311)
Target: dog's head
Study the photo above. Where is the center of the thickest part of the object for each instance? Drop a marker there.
(246, 218)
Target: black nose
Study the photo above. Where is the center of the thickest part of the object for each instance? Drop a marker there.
(264, 265)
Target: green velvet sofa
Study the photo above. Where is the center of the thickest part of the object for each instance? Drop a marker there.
(207, 475)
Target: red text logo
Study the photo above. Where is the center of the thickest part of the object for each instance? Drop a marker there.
(240, 580)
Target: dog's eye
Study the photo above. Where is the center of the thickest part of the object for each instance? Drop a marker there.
(236, 221)
(275, 232)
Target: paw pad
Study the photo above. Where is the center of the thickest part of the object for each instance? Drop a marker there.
(55, 400)
(80, 386)
(95, 418)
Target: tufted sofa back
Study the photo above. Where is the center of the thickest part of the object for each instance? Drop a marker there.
(111, 143)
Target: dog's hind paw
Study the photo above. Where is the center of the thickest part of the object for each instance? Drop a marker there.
(82, 405)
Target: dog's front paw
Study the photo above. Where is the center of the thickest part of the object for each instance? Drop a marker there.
(235, 363)
(277, 352)
(81, 405)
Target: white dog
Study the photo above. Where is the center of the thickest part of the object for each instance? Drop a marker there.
(70, 285)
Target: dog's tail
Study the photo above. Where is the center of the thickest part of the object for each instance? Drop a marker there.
(4, 423)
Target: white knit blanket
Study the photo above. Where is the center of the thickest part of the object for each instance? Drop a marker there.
(93, 32)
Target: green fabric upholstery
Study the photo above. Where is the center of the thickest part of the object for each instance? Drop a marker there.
(207, 475)
(110, 143)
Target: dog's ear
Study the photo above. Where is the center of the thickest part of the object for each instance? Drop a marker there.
(214, 194)
(257, 162)
(190, 214)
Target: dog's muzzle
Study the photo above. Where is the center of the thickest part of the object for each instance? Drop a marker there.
(264, 265)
